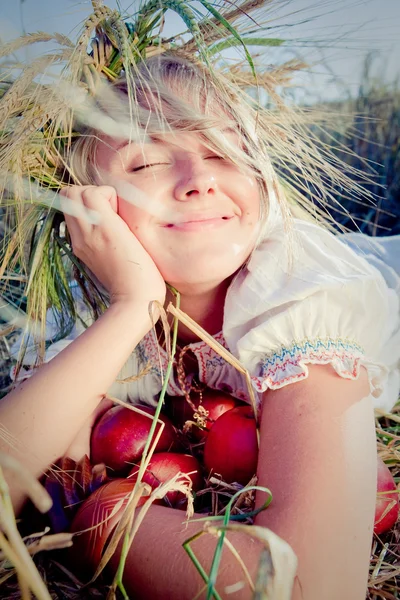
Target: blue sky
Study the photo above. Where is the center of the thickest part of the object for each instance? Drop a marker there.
(356, 26)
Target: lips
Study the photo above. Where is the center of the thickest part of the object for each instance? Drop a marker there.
(199, 222)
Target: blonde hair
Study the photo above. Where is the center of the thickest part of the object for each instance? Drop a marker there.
(169, 92)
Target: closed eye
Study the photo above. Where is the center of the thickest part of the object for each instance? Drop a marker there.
(141, 167)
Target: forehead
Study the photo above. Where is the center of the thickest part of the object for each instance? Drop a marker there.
(179, 100)
(175, 140)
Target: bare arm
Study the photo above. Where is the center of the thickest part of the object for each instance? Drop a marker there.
(45, 413)
(318, 456)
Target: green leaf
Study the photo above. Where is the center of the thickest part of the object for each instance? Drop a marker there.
(180, 7)
(249, 41)
(186, 546)
(39, 250)
(232, 30)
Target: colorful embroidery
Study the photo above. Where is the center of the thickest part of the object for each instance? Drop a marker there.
(207, 358)
(277, 369)
(149, 351)
(285, 366)
(214, 371)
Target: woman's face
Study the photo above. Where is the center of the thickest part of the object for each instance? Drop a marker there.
(210, 209)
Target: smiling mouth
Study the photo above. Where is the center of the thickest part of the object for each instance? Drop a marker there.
(198, 224)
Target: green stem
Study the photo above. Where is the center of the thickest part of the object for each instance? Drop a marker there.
(210, 580)
(125, 546)
(219, 548)
(123, 590)
(195, 561)
(244, 516)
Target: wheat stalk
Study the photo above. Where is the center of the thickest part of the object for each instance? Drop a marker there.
(11, 101)
(211, 29)
(80, 56)
(33, 38)
(11, 542)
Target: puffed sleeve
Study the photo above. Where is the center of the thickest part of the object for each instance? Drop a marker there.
(312, 299)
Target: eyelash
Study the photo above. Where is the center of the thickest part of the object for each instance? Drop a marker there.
(141, 167)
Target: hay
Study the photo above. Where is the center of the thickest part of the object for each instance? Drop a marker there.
(384, 574)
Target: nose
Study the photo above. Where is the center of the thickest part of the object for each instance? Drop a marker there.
(196, 179)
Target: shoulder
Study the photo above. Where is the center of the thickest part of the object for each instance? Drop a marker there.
(308, 299)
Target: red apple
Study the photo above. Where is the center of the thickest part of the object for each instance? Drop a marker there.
(88, 547)
(120, 435)
(231, 448)
(213, 401)
(387, 504)
(165, 465)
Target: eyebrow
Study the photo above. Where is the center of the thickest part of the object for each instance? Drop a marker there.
(156, 138)
(123, 144)
(127, 142)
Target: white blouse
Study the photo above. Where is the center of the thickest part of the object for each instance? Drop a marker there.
(321, 299)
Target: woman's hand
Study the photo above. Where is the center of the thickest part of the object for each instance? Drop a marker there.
(110, 249)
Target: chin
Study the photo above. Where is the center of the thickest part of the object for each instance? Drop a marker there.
(195, 281)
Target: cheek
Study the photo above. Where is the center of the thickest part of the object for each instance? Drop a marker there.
(133, 216)
(251, 201)
(139, 223)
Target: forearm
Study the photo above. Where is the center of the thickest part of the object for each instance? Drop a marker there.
(158, 567)
(44, 413)
(331, 544)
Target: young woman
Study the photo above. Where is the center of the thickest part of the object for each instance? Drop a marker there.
(304, 313)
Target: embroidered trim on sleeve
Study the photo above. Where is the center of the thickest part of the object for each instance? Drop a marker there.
(289, 364)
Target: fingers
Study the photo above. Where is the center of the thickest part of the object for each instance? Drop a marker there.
(80, 204)
(87, 203)
(72, 206)
(110, 249)
(100, 198)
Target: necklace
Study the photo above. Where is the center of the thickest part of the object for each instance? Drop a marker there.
(185, 368)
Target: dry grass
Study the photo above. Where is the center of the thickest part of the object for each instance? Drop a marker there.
(384, 580)
(368, 139)
(13, 549)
